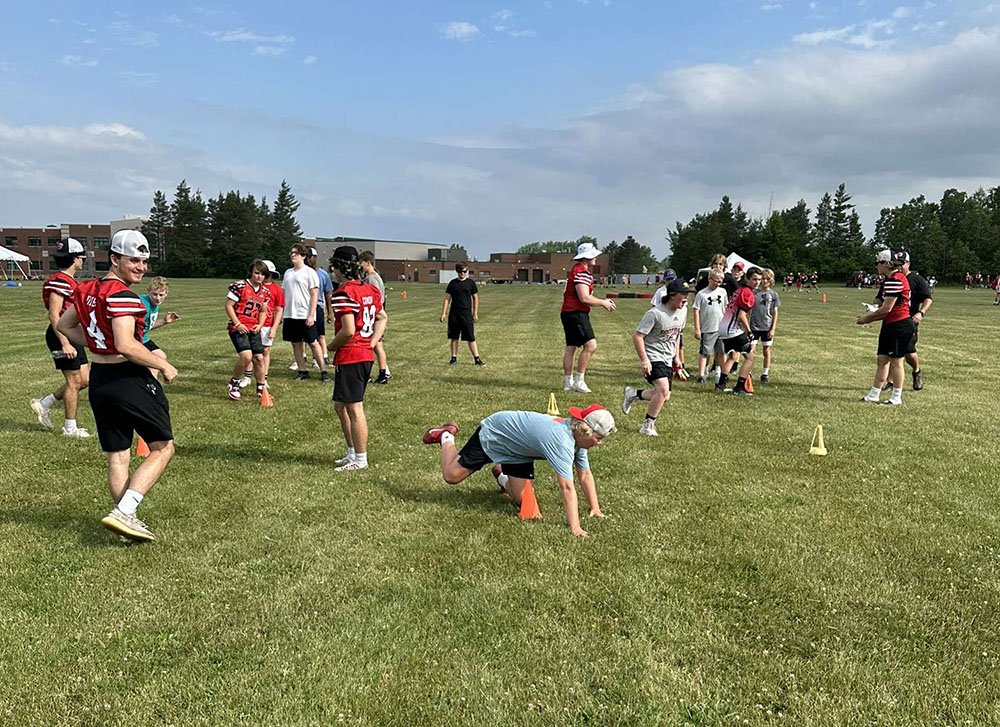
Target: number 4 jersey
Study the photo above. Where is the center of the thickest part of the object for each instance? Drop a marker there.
(363, 301)
(100, 301)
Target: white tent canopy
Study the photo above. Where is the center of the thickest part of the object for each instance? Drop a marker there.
(10, 260)
(731, 259)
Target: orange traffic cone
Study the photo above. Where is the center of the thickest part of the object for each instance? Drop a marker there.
(750, 383)
(529, 505)
(824, 297)
(404, 295)
(266, 398)
(141, 448)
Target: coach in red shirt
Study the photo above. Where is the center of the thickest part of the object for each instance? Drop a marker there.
(897, 326)
(578, 299)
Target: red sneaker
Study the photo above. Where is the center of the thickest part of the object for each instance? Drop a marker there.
(433, 435)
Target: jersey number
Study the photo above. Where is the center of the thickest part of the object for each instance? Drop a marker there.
(367, 321)
(95, 332)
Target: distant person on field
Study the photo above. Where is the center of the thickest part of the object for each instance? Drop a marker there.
(301, 286)
(275, 312)
(372, 277)
(513, 440)
(463, 295)
(655, 341)
(323, 299)
(735, 332)
(897, 326)
(921, 299)
(709, 305)
(69, 358)
(152, 299)
(578, 298)
(764, 319)
(247, 302)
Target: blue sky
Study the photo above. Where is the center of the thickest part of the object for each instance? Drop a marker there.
(495, 124)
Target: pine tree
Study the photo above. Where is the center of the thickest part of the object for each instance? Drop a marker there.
(156, 230)
(189, 237)
(284, 230)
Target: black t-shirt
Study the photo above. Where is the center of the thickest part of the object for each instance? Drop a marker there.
(919, 291)
(461, 292)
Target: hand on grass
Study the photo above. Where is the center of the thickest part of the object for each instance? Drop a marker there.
(579, 532)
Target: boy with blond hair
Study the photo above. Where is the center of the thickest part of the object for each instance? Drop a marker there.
(709, 305)
(152, 299)
(764, 319)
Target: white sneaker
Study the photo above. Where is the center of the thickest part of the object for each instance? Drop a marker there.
(631, 397)
(352, 465)
(234, 392)
(293, 367)
(78, 433)
(581, 386)
(890, 402)
(42, 413)
(568, 387)
(343, 460)
(869, 401)
(649, 429)
(245, 381)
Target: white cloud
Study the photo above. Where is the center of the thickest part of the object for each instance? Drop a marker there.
(823, 36)
(268, 50)
(131, 35)
(459, 30)
(310, 60)
(523, 34)
(771, 6)
(71, 60)
(902, 12)
(242, 35)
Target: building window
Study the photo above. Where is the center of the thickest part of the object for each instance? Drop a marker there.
(52, 241)
(100, 243)
(81, 240)
(36, 264)
(102, 266)
(484, 273)
(34, 242)
(10, 241)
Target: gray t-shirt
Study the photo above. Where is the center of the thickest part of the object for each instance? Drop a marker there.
(662, 327)
(762, 315)
(515, 437)
(710, 304)
(375, 279)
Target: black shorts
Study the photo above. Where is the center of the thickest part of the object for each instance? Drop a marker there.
(912, 347)
(248, 341)
(320, 323)
(661, 370)
(461, 326)
(63, 362)
(737, 344)
(576, 326)
(763, 336)
(151, 346)
(295, 330)
(350, 382)
(894, 338)
(126, 398)
(472, 457)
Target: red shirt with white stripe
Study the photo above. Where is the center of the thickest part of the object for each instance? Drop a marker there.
(363, 301)
(100, 301)
(571, 301)
(247, 302)
(898, 287)
(277, 301)
(61, 284)
(742, 300)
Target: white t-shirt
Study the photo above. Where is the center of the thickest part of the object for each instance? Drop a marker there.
(710, 304)
(662, 327)
(296, 285)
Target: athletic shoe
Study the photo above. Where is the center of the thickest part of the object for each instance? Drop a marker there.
(234, 391)
(631, 397)
(382, 380)
(648, 429)
(352, 465)
(568, 387)
(764, 379)
(78, 433)
(324, 378)
(497, 471)
(918, 383)
(720, 388)
(890, 402)
(302, 376)
(741, 392)
(343, 460)
(866, 400)
(433, 435)
(245, 381)
(128, 525)
(479, 362)
(42, 413)
(700, 380)
(293, 367)
(326, 360)
(581, 386)
(453, 361)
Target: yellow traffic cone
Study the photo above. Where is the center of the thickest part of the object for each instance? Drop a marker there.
(553, 410)
(817, 447)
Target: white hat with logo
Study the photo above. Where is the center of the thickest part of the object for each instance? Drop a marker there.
(130, 243)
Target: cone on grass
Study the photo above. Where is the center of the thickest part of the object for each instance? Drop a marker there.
(141, 448)
(553, 410)
(749, 385)
(824, 297)
(404, 295)
(265, 398)
(817, 446)
(529, 505)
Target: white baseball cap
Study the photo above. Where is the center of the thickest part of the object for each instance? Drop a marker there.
(69, 246)
(587, 250)
(270, 266)
(883, 256)
(130, 243)
(596, 417)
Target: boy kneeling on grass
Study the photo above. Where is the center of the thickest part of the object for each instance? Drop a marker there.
(513, 440)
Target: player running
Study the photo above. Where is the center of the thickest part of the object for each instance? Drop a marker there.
(69, 358)
(109, 317)
(246, 305)
(152, 299)
(735, 333)
(578, 299)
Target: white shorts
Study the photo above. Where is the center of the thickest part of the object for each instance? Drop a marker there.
(265, 336)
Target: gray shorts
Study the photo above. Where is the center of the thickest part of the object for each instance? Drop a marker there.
(710, 343)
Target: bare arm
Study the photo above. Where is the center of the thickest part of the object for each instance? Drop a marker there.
(879, 313)
(589, 491)
(639, 341)
(475, 306)
(69, 326)
(279, 313)
(313, 302)
(444, 306)
(55, 305)
(381, 321)
(344, 335)
(744, 321)
(697, 324)
(583, 293)
(123, 328)
(774, 323)
(568, 492)
(231, 312)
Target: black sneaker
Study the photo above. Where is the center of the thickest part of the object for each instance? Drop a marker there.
(918, 383)
(763, 378)
(453, 361)
(479, 362)
(302, 376)
(700, 380)
(324, 377)
(382, 380)
(720, 387)
(741, 392)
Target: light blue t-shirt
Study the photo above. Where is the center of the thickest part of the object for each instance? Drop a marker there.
(325, 286)
(152, 313)
(514, 437)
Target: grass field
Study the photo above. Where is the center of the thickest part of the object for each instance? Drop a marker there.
(737, 580)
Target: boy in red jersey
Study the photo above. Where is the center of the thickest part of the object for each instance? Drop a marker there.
(897, 327)
(69, 358)
(734, 330)
(578, 299)
(246, 305)
(275, 312)
(359, 321)
(109, 317)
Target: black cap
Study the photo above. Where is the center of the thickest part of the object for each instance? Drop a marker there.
(678, 286)
(311, 251)
(346, 253)
(900, 258)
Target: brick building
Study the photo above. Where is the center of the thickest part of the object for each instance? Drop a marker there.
(39, 243)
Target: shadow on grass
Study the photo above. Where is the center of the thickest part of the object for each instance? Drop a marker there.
(87, 527)
(492, 381)
(455, 497)
(248, 453)
(19, 426)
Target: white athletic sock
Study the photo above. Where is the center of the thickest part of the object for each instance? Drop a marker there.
(129, 502)
(387, 372)
(897, 395)
(502, 481)
(764, 371)
(48, 401)
(874, 393)
(351, 454)
(69, 425)
(578, 376)
(718, 375)
(361, 458)
(447, 438)
(569, 381)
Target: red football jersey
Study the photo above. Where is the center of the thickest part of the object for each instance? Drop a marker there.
(571, 301)
(742, 300)
(277, 301)
(97, 303)
(363, 301)
(62, 284)
(247, 302)
(898, 287)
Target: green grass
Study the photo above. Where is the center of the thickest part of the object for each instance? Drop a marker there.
(737, 580)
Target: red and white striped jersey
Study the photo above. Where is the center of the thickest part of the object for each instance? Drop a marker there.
(571, 301)
(61, 284)
(363, 301)
(100, 301)
(247, 302)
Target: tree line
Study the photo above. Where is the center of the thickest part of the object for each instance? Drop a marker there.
(627, 257)
(192, 238)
